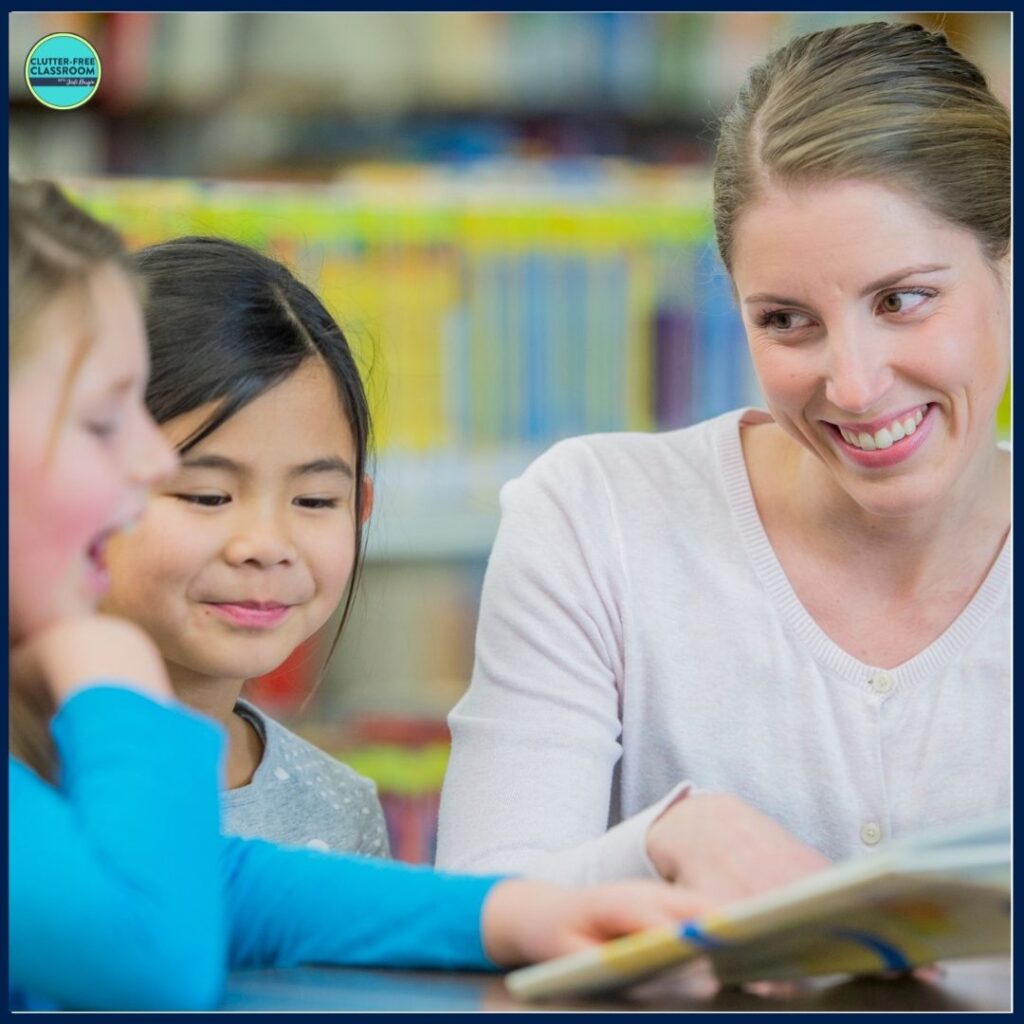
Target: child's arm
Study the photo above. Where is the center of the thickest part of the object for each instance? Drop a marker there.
(115, 883)
(290, 906)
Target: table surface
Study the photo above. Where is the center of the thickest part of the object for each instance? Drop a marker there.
(983, 984)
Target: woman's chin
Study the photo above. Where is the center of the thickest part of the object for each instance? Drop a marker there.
(896, 498)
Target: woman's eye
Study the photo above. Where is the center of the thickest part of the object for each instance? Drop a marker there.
(205, 500)
(782, 320)
(904, 301)
(317, 502)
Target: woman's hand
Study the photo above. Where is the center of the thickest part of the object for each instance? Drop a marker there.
(721, 847)
(52, 664)
(524, 921)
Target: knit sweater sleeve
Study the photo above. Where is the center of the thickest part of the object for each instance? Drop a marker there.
(536, 738)
(115, 875)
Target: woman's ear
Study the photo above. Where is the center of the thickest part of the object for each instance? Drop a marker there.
(367, 500)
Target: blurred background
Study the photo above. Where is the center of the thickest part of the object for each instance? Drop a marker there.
(509, 215)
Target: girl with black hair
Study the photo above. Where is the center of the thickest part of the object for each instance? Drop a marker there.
(249, 550)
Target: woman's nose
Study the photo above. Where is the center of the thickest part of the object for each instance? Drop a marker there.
(859, 374)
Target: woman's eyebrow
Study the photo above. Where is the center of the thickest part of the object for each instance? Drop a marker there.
(778, 300)
(331, 465)
(882, 282)
(897, 276)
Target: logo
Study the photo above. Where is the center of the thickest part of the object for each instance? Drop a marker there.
(63, 71)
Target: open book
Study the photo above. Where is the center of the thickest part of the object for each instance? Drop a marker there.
(936, 896)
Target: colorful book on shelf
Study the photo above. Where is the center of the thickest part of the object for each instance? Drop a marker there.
(941, 895)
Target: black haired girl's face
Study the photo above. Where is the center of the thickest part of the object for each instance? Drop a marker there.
(247, 551)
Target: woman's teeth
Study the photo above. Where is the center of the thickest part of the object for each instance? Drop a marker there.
(887, 436)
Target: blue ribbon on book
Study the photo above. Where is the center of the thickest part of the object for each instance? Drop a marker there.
(893, 959)
(689, 932)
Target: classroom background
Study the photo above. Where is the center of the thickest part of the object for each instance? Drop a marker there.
(508, 213)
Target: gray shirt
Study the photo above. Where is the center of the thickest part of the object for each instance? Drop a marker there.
(301, 796)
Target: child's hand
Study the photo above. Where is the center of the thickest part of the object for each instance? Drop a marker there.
(720, 846)
(525, 921)
(81, 651)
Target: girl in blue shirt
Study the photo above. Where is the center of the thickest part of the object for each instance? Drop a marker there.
(123, 893)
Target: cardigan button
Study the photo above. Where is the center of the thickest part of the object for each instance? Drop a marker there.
(882, 682)
(870, 833)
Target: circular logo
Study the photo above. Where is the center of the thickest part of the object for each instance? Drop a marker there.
(63, 71)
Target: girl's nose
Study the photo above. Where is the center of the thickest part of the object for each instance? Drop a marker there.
(259, 541)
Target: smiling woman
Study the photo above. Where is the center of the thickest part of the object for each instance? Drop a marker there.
(731, 653)
(891, 379)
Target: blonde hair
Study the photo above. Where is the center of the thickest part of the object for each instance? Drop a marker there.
(54, 247)
(887, 102)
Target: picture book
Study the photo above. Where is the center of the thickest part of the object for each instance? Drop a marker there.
(935, 896)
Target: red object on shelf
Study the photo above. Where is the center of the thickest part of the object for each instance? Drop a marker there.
(127, 58)
(399, 731)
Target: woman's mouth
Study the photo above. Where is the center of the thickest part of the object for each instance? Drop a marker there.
(250, 614)
(885, 443)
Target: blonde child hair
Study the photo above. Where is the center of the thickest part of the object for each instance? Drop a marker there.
(53, 249)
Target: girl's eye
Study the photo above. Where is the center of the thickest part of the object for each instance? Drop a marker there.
(782, 320)
(906, 300)
(205, 500)
(104, 430)
(317, 502)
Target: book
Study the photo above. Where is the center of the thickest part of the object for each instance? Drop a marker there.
(939, 895)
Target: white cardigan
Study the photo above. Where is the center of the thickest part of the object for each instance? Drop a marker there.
(637, 634)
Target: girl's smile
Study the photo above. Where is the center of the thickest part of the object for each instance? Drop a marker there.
(251, 614)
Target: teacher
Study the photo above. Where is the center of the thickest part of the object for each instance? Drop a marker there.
(732, 653)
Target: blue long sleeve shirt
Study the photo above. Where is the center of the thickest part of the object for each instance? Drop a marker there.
(124, 894)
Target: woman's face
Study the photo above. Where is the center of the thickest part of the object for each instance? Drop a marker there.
(246, 552)
(880, 336)
(83, 450)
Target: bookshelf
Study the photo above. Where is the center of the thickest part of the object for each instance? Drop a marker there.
(492, 315)
(294, 96)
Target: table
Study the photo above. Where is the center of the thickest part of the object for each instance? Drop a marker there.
(982, 984)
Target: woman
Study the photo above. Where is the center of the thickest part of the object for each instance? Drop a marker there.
(772, 640)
